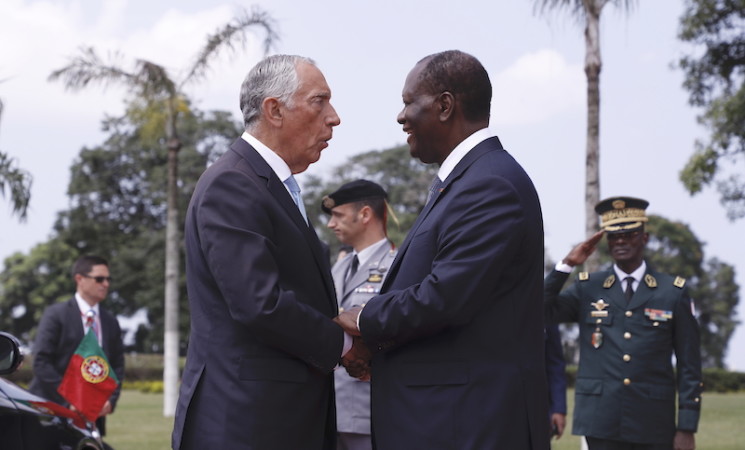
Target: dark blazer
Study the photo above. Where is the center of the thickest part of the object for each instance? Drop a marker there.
(262, 345)
(58, 336)
(458, 330)
(625, 388)
(555, 371)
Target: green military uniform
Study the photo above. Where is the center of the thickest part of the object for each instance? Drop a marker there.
(625, 388)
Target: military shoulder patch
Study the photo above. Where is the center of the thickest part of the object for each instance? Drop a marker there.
(679, 282)
(584, 276)
(650, 280)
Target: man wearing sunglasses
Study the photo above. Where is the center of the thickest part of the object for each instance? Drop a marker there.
(63, 326)
(631, 321)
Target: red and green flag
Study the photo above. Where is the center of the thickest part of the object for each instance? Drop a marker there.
(89, 379)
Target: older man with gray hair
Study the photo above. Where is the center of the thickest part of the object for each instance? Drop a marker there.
(263, 346)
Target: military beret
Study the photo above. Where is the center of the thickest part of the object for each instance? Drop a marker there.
(354, 191)
(622, 214)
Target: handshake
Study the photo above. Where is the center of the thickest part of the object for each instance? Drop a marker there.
(357, 359)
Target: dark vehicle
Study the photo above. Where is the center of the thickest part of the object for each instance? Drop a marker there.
(29, 422)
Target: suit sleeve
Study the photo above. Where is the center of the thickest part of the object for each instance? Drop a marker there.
(688, 356)
(472, 245)
(115, 356)
(47, 357)
(560, 306)
(555, 371)
(240, 240)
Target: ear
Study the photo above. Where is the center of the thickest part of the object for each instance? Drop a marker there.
(446, 104)
(365, 214)
(271, 109)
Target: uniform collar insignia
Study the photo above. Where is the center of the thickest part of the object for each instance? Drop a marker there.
(650, 280)
(609, 281)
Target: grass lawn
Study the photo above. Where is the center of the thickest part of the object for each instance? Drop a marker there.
(138, 423)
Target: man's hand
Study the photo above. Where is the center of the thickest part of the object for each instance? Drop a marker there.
(357, 360)
(684, 440)
(581, 252)
(348, 320)
(106, 409)
(558, 423)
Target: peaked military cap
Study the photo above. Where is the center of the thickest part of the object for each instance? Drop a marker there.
(622, 214)
(354, 191)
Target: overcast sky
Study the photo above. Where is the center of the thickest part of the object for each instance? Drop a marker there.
(365, 49)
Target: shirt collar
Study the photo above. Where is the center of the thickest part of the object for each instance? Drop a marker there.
(364, 255)
(637, 274)
(278, 165)
(83, 306)
(461, 150)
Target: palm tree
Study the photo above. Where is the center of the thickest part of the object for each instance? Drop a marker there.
(152, 83)
(18, 182)
(589, 11)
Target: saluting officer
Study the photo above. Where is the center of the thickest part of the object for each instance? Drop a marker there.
(631, 320)
(358, 212)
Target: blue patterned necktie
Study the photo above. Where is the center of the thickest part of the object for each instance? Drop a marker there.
(295, 191)
(434, 188)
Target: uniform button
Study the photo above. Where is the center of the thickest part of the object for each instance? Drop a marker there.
(627, 335)
(696, 399)
(598, 320)
(656, 324)
(626, 381)
(629, 313)
(627, 357)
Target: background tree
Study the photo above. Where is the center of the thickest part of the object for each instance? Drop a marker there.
(159, 90)
(588, 12)
(17, 180)
(405, 179)
(715, 80)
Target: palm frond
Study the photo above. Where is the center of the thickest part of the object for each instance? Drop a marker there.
(88, 68)
(18, 182)
(228, 36)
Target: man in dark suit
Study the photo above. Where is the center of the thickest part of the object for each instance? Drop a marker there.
(631, 320)
(359, 214)
(63, 326)
(457, 333)
(263, 344)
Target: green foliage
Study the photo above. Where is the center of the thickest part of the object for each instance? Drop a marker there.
(405, 179)
(118, 203)
(720, 380)
(18, 182)
(715, 80)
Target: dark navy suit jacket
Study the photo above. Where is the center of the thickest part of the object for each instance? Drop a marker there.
(458, 331)
(262, 344)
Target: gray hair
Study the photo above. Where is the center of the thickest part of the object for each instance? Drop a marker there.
(274, 76)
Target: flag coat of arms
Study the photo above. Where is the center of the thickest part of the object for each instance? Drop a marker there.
(89, 379)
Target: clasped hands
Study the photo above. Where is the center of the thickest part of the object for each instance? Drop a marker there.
(357, 360)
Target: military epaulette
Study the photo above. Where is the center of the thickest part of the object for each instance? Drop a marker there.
(609, 281)
(679, 282)
(583, 276)
(650, 280)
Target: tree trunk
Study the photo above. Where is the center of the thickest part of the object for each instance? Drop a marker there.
(170, 336)
(592, 157)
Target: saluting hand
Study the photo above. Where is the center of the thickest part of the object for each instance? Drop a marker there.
(581, 252)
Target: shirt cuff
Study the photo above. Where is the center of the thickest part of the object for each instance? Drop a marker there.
(562, 267)
(347, 344)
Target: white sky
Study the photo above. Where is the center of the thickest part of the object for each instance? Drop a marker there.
(365, 49)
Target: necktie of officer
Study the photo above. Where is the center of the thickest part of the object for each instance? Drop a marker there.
(295, 191)
(629, 292)
(433, 188)
(352, 270)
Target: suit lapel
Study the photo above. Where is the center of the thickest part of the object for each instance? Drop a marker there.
(277, 189)
(479, 150)
(643, 292)
(363, 272)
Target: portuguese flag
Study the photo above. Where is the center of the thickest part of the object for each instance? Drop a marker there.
(89, 380)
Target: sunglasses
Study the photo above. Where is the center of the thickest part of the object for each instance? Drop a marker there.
(98, 279)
